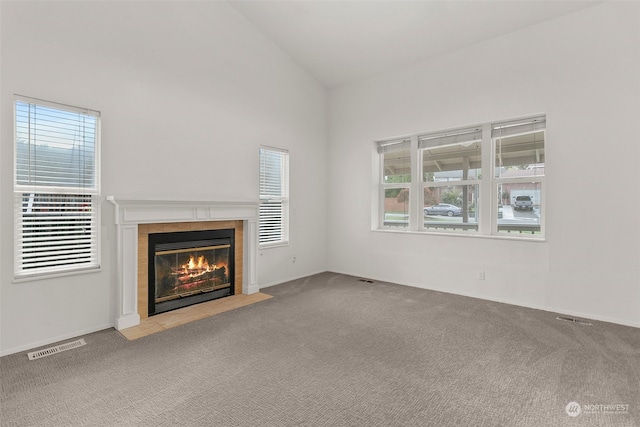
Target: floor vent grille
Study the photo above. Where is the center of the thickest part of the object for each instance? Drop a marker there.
(573, 320)
(57, 349)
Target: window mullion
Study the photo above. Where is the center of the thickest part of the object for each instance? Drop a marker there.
(415, 199)
(487, 210)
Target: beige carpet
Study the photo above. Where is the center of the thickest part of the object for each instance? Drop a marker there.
(330, 350)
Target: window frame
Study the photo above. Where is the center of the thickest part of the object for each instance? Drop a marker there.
(390, 146)
(467, 134)
(282, 198)
(487, 222)
(81, 201)
(536, 123)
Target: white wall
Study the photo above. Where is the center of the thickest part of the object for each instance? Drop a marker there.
(583, 71)
(188, 91)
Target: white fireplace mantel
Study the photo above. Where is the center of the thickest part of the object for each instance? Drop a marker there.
(130, 212)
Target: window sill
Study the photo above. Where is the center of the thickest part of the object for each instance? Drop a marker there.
(53, 275)
(273, 245)
(462, 234)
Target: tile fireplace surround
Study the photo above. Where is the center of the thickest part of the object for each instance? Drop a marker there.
(174, 215)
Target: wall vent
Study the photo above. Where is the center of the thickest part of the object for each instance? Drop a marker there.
(573, 320)
(57, 349)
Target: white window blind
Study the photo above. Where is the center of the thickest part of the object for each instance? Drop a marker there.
(397, 145)
(56, 188)
(463, 137)
(274, 196)
(518, 127)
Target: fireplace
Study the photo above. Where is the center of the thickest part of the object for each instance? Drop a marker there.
(191, 267)
(137, 218)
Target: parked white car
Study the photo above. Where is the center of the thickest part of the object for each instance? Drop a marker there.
(523, 202)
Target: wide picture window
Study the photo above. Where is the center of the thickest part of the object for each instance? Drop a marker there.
(56, 188)
(486, 179)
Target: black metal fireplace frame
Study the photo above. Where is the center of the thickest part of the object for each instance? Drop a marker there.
(191, 237)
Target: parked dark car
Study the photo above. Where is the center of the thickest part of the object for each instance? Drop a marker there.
(443, 209)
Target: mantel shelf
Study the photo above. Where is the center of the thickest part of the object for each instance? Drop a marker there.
(129, 210)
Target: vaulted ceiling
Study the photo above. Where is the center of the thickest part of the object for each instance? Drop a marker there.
(340, 42)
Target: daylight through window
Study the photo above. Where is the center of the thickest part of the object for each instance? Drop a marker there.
(56, 188)
(485, 180)
(273, 222)
(396, 181)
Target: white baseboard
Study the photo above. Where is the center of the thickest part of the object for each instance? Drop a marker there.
(127, 321)
(54, 340)
(266, 285)
(514, 303)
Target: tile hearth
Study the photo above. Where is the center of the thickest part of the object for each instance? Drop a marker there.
(171, 319)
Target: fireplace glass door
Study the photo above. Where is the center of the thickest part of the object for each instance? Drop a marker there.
(189, 268)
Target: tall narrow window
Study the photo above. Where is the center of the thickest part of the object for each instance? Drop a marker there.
(395, 182)
(519, 175)
(56, 188)
(451, 173)
(273, 223)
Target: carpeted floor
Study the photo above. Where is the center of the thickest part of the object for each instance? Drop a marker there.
(330, 350)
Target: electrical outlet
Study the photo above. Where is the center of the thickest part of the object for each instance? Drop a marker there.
(294, 259)
(481, 275)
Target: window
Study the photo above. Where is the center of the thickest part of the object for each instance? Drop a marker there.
(396, 181)
(484, 180)
(56, 188)
(451, 172)
(519, 174)
(273, 222)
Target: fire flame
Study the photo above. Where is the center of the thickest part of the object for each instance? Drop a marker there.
(193, 268)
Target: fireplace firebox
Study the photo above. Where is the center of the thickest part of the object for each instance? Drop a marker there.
(190, 267)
